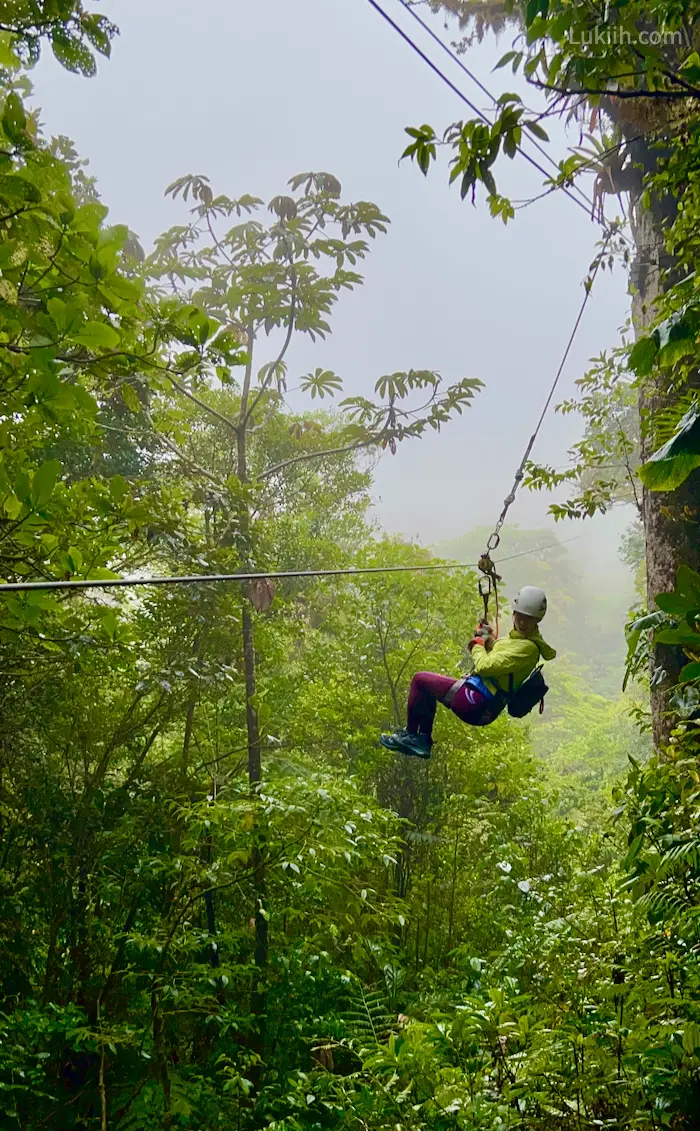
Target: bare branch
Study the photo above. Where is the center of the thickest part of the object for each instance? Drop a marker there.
(201, 404)
(674, 95)
(182, 456)
(316, 455)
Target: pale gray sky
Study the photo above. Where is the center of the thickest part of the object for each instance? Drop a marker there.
(250, 93)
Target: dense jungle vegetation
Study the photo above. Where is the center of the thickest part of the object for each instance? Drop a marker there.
(221, 904)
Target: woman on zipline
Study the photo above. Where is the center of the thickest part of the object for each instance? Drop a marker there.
(500, 668)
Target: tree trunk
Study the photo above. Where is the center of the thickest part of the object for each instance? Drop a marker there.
(160, 1059)
(670, 518)
(259, 991)
(451, 923)
(252, 728)
(258, 1001)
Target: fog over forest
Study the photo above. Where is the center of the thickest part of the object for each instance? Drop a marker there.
(447, 288)
(350, 565)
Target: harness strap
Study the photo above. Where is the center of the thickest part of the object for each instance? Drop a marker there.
(452, 691)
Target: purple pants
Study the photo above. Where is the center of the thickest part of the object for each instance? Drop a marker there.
(429, 689)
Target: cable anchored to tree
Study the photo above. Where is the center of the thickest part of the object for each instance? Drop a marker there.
(461, 95)
(489, 94)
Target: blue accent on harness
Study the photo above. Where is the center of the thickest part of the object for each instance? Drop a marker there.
(478, 684)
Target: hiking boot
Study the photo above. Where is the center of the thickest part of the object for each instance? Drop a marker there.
(415, 745)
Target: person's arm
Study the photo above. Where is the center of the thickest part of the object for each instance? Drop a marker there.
(505, 658)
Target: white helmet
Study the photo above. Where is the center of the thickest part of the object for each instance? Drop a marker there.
(531, 601)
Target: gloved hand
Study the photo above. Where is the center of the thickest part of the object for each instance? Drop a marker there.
(483, 635)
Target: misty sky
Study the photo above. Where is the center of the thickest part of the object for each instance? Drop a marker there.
(251, 92)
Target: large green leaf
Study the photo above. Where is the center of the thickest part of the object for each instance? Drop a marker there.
(16, 188)
(683, 637)
(14, 119)
(674, 604)
(690, 671)
(643, 355)
(675, 461)
(44, 481)
(73, 53)
(688, 583)
(97, 336)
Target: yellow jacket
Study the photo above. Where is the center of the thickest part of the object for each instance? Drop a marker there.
(516, 655)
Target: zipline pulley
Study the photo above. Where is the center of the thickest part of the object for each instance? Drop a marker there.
(488, 584)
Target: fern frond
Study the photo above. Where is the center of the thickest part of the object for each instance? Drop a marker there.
(366, 1017)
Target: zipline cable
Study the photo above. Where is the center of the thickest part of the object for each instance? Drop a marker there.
(489, 94)
(207, 578)
(460, 94)
(494, 539)
(485, 564)
(488, 583)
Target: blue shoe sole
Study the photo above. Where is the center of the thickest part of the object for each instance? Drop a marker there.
(389, 742)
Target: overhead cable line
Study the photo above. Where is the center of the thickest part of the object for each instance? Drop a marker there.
(460, 94)
(207, 578)
(489, 94)
(519, 475)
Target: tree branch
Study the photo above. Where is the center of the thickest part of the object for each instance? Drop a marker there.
(202, 404)
(316, 455)
(285, 347)
(172, 446)
(658, 94)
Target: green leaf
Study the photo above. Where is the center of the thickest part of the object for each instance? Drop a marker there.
(118, 487)
(8, 58)
(536, 129)
(320, 383)
(75, 559)
(22, 487)
(101, 573)
(109, 622)
(643, 355)
(72, 53)
(8, 292)
(97, 336)
(674, 604)
(44, 481)
(685, 701)
(131, 398)
(14, 119)
(18, 189)
(89, 216)
(688, 583)
(97, 29)
(675, 350)
(682, 637)
(534, 9)
(675, 461)
(505, 59)
(668, 474)
(690, 671)
(57, 309)
(690, 69)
